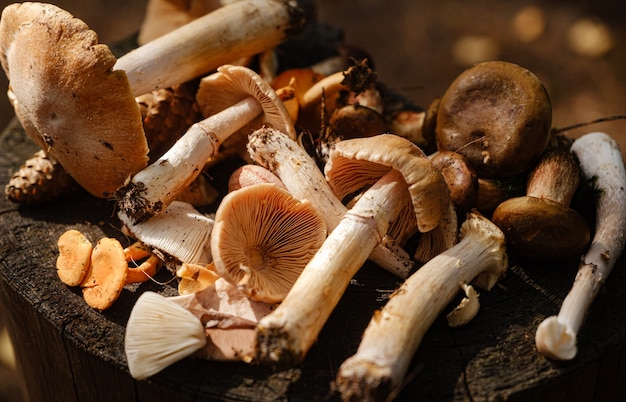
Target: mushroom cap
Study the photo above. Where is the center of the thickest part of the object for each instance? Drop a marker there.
(460, 176)
(69, 99)
(263, 238)
(231, 84)
(106, 276)
(498, 115)
(358, 163)
(541, 229)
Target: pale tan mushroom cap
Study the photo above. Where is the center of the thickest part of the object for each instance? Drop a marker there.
(69, 99)
(232, 84)
(263, 238)
(358, 163)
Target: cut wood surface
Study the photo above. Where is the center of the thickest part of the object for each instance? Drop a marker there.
(68, 351)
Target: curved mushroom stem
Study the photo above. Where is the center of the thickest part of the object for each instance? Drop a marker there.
(153, 188)
(299, 173)
(239, 29)
(600, 161)
(285, 335)
(394, 333)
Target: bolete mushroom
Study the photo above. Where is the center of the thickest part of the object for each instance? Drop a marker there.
(498, 114)
(154, 187)
(395, 332)
(262, 239)
(541, 226)
(285, 335)
(78, 102)
(601, 163)
(299, 173)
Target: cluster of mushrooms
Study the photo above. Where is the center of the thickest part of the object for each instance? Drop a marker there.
(338, 170)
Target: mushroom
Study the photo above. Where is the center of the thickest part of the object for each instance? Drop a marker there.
(460, 177)
(299, 173)
(252, 100)
(498, 115)
(179, 232)
(78, 102)
(249, 174)
(601, 163)
(195, 277)
(143, 263)
(395, 332)
(106, 276)
(285, 335)
(74, 257)
(216, 323)
(262, 239)
(541, 226)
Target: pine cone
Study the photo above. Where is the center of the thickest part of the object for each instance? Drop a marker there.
(39, 180)
(167, 114)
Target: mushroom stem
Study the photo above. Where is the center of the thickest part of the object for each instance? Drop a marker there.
(395, 332)
(285, 335)
(600, 161)
(157, 185)
(238, 29)
(301, 176)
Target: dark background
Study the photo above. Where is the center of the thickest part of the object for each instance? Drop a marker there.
(419, 47)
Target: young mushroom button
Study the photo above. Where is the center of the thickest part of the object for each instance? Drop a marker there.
(498, 115)
(78, 102)
(285, 335)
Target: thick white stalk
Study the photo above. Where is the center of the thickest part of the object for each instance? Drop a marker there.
(301, 176)
(394, 333)
(241, 28)
(285, 335)
(153, 188)
(601, 162)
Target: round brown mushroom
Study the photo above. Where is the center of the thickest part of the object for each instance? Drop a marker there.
(262, 239)
(461, 178)
(498, 115)
(541, 225)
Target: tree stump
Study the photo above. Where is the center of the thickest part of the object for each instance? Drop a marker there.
(67, 351)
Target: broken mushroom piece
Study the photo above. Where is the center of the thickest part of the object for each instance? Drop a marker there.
(262, 239)
(154, 187)
(396, 331)
(601, 162)
(299, 173)
(541, 226)
(78, 102)
(285, 335)
(498, 115)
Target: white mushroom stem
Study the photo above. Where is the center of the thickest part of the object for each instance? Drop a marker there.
(395, 332)
(285, 335)
(238, 29)
(601, 162)
(153, 188)
(297, 170)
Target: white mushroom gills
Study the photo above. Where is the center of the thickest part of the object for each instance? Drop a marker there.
(297, 170)
(238, 29)
(395, 332)
(285, 335)
(600, 160)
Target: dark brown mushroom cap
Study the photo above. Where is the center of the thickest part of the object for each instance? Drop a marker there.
(263, 238)
(357, 163)
(541, 229)
(498, 115)
(461, 178)
(69, 99)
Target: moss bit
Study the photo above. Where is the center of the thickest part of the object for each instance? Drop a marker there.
(40, 179)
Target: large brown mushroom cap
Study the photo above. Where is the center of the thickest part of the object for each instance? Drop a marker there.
(498, 115)
(263, 238)
(69, 99)
(358, 163)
